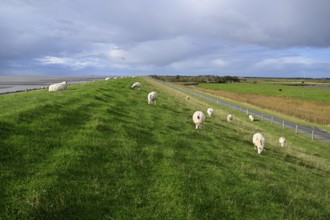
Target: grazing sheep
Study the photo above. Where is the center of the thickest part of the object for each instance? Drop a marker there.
(108, 78)
(210, 111)
(251, 117)
(258, 142)
(187, 98)
(198, 119)
(152, 97)
(282, 141)
(229, 118)
(136, 85)
(57, 87)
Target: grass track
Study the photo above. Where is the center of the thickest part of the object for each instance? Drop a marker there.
(98, 151)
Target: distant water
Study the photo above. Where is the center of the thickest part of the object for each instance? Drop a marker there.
(21, 83)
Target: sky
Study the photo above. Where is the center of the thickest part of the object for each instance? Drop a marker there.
(261, 38)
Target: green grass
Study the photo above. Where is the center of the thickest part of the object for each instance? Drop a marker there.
(297, 92)
(99, 151)
(291, 81)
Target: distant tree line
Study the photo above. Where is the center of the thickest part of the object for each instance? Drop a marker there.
(199, 79)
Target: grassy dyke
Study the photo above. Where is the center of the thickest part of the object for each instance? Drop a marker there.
(99, 151)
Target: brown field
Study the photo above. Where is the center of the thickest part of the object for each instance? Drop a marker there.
(310, 111)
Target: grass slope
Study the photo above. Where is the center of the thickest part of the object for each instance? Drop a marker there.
(99, 151)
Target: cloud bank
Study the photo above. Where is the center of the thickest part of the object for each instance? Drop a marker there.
(237, 37)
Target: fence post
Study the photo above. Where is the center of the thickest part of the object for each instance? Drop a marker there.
(272, 119)
(283, 124)
(296, 129)
(313, 134)
(247, 111)
(262, 116)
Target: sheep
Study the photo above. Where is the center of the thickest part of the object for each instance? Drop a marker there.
(210, 111)
(229, 118)
(108, 78)
(198, 119)
(187, 98)
(152, 97)
(282, 141)
(136, 85)
(258, 142)
(251, 117)
(57, 86)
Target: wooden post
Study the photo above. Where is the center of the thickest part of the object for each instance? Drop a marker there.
(272, 119)
(313, 134)
(296, 129)
(283, 124)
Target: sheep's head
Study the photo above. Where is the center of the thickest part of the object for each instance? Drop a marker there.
(260, 146)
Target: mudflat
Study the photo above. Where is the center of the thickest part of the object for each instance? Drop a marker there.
(19, 83)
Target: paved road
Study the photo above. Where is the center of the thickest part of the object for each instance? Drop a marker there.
(314, 132)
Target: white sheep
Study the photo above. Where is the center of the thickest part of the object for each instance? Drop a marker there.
(282, 141)
(210, 111)
(57, 87)
(229, 118)
(108, 78)
(251, 117)
(187, 98)
(152, 97)
(258, 142)
(136, 85)
(198, 119)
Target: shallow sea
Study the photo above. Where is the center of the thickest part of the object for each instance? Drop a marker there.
(22, 83)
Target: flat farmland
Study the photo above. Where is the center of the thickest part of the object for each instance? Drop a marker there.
(311, 104)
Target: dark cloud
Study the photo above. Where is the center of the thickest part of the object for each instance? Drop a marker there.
(233, 36)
